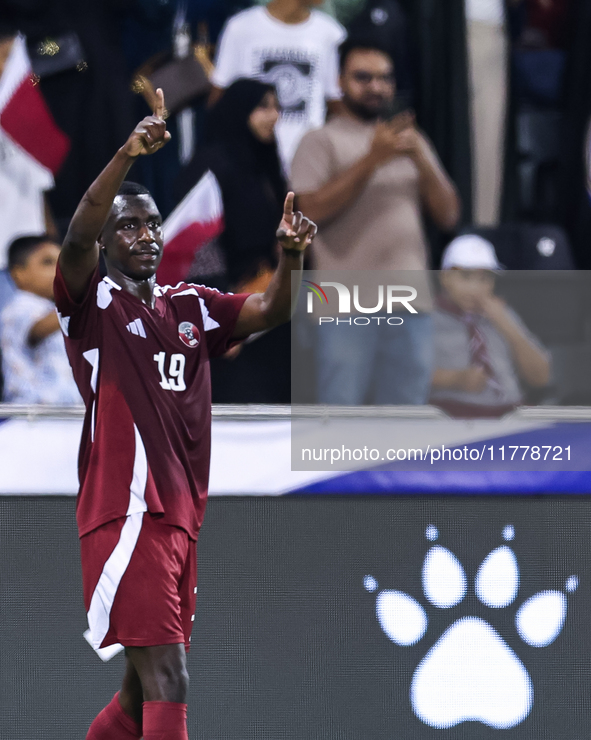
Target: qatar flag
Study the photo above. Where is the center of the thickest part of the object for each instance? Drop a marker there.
(197, 219)
(24, 115)
(32, 148)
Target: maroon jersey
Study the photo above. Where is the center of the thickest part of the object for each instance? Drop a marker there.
(144, 376)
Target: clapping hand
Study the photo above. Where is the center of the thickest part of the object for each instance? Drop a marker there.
(395, 138)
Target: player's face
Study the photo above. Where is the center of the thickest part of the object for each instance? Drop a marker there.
(132, 240)
(367, 82)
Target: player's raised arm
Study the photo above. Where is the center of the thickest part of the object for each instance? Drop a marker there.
(80, 253)
(275, 306)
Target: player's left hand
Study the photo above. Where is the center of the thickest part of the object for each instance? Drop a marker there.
(295, 231)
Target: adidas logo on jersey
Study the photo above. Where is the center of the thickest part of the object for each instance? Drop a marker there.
(136, 327)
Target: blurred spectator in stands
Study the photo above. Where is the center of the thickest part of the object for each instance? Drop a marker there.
(293, 46)
(487, 56)
(32, 149)
(483, 351)
(428, 43)
(34, 360)
(365, 181)
(241, 152)
(387, 23)
(539, 32)
(540, 23)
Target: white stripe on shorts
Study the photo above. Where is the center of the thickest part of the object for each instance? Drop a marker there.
(104, 593)
(103, 597)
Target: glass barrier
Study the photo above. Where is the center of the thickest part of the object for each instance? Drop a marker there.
(489, 370)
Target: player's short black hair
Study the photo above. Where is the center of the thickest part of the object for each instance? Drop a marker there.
(363, 42)
(22, 248)
(133, 188)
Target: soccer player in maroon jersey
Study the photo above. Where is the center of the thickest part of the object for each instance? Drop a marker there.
(140, 356)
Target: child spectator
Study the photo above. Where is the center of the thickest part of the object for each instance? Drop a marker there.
(35, 364)
(483, 351)
(292, 46)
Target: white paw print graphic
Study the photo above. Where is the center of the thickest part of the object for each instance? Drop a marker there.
(471, 673)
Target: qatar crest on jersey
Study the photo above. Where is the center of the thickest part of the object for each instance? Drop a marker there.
(188, 334)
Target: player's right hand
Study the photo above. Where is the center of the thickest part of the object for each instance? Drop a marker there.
(150, 134)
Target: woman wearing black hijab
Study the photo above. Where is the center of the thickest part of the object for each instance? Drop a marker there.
(241, 151)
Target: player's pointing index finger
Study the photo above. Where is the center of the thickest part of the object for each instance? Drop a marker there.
(288, 205)
(159, 108)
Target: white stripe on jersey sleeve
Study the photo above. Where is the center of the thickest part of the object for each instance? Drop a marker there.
(208, 322)
(188, 291)
(161, 289)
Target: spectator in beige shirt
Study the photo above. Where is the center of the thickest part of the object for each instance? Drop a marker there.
(365, 178)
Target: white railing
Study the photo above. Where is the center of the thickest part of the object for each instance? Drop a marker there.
(268, 412)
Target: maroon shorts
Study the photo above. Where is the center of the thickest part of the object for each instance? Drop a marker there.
(140, 582)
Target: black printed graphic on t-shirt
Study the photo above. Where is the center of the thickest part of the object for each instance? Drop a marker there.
(292, 73)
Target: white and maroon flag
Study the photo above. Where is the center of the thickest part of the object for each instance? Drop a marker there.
(32, 149)
(197, 219)
(24, 115)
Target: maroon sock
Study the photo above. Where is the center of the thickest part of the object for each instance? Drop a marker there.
(114, 724)
(165, 720)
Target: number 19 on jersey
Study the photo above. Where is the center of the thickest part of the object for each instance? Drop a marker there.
(175, 381)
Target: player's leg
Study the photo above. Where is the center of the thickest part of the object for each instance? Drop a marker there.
(162, 670)
(131, 696)
(154, 603)
(114, 723)
(121, 719)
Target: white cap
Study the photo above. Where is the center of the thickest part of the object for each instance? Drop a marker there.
(470, 252)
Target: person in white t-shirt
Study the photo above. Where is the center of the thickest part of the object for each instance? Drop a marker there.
(292, 46)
